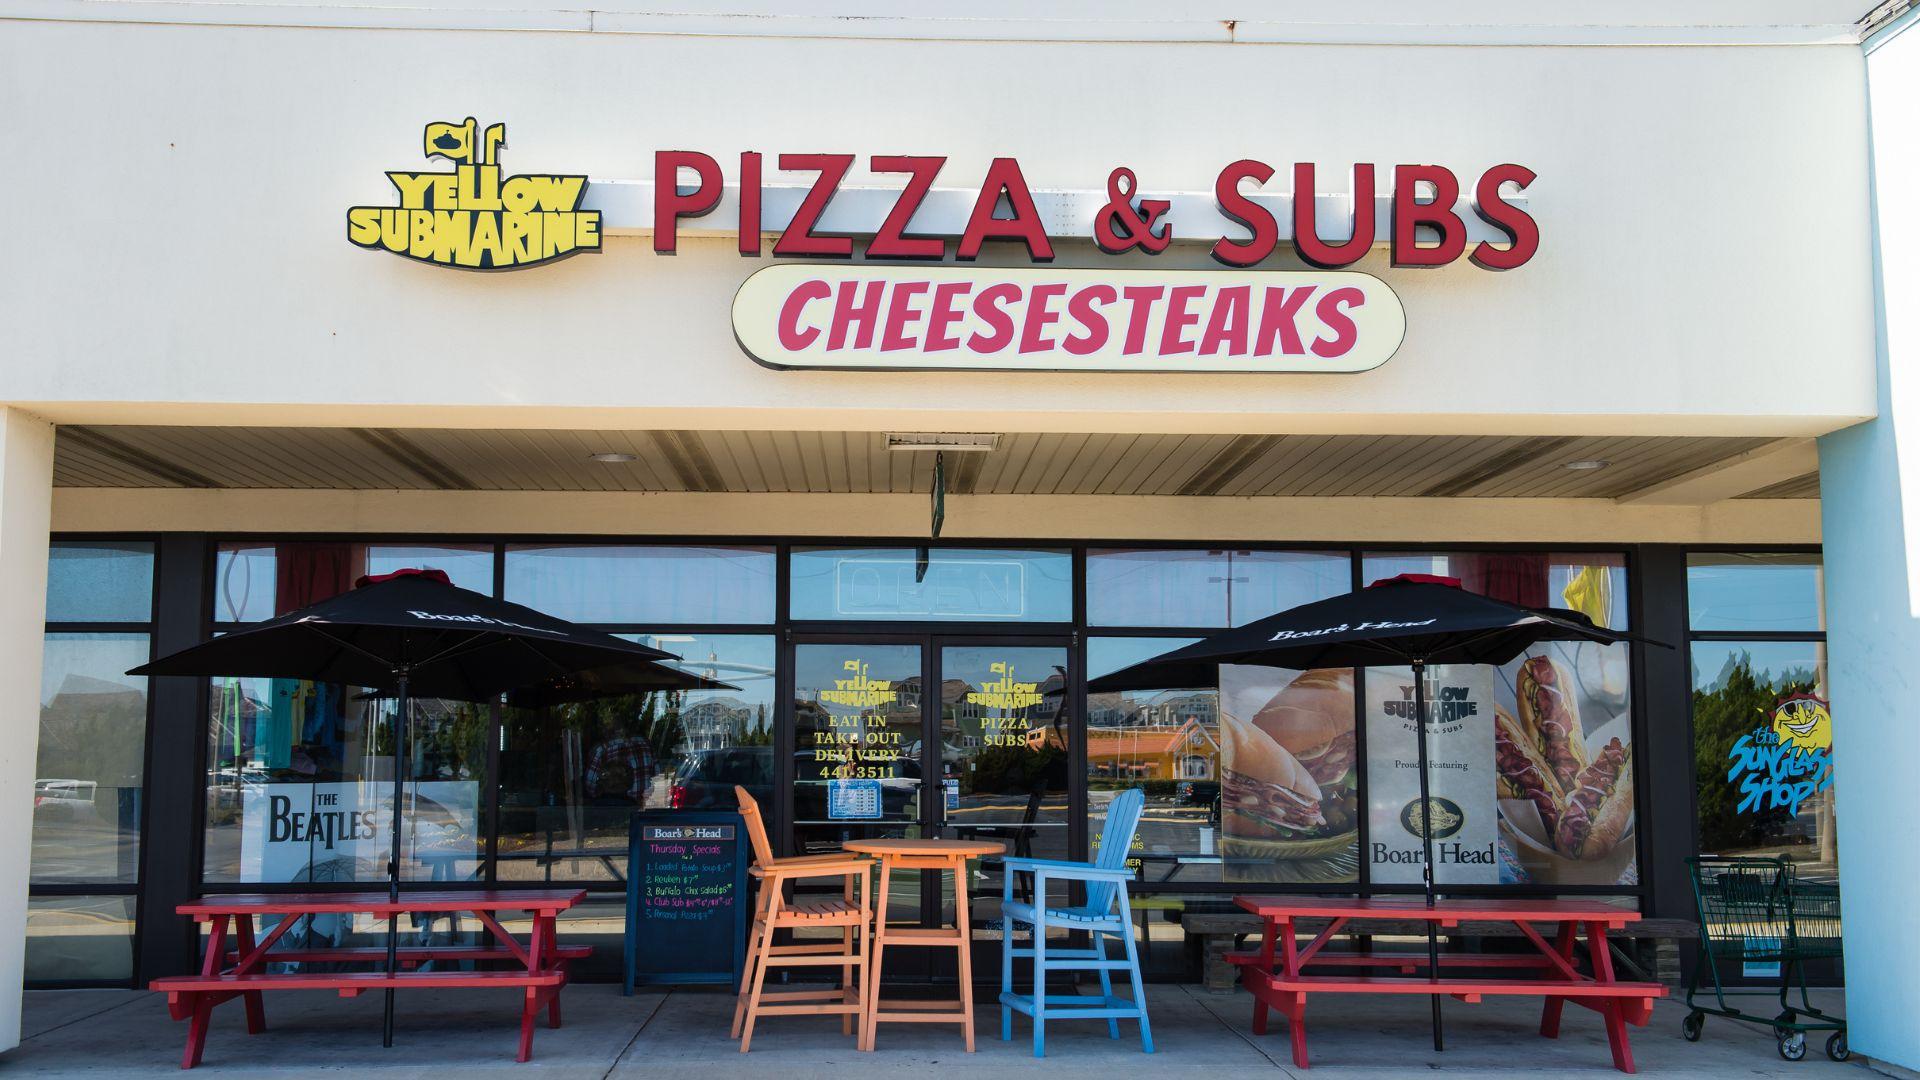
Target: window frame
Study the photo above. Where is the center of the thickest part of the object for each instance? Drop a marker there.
(1768, 636)
(489, 810)
(135, 888)
(1077, 631)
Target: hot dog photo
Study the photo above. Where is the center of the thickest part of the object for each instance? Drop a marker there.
(1563, 763)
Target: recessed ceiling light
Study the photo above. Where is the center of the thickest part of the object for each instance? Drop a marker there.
(1587, 465)
(612, 457)
(941, 440)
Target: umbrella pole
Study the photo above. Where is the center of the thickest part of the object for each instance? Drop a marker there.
(1426, 837)
(393, 862)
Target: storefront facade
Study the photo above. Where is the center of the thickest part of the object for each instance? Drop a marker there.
(991, 399)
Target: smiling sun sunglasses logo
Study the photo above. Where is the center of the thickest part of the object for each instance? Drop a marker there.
(1803, 722)
(472, 218)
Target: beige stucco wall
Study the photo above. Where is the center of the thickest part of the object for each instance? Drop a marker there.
(179, 255)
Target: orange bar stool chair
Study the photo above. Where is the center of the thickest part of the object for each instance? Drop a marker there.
(775, 911)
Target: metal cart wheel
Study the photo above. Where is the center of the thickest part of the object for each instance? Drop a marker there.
(1793, 1044)
(1837, 1046)
(1690, 1027)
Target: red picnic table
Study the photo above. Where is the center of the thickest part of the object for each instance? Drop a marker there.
(1551, 971)
(233, 965)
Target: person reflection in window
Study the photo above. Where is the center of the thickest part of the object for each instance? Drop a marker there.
(620, 771)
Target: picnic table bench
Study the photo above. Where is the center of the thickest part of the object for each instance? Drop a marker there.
(1551, 971)
(233, 964)
(1648, 950)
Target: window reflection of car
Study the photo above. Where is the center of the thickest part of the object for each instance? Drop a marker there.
(706, 778)
(65, 800)
(229, 786)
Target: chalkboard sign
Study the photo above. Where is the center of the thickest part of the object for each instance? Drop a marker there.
(686, 898)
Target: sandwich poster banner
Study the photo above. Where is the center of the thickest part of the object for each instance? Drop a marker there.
(1289, 798)
(1461, 812)
(1564, 746)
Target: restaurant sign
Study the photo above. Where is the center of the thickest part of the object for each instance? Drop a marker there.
(1242, 318)
(935, 318)
(472, 218)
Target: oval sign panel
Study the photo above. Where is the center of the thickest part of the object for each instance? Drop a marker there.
(990, 319)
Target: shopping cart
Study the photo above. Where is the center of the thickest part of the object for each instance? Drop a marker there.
(1756, 913)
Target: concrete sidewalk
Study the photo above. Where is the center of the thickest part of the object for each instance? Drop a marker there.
(684, 1034)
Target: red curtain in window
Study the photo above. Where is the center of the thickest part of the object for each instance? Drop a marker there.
(307, 573)
(1515, 578)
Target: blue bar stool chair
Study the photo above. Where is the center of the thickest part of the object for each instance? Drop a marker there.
(1106, 913)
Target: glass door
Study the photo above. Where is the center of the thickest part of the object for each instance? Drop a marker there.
(1005, 730)
(859, 748)
(984, 754)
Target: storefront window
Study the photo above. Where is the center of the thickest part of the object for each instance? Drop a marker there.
(1594, 584)
(95, 581)
(90, 763)
(79, 939)
(300, 774)
(256, 580)
(932, 584)
(1762, 730)
(1253, 779)
(1531, 770)
(572, 773)
(1763, 744)
(1738, 592)
(1210, 588)
(655, 585)
(300, 785)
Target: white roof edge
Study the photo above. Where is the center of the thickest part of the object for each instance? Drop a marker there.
(1887, 31)
(1188, 30)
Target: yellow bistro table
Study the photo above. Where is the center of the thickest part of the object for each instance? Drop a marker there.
(936, 855)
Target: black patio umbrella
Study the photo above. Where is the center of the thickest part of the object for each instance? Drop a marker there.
(1413, 620)
(414, 634)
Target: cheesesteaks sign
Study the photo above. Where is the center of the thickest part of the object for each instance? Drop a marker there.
(1085, 320)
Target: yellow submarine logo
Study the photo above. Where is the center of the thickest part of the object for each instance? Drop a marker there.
(472, 218)
(859, 692)
(1005, 693)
